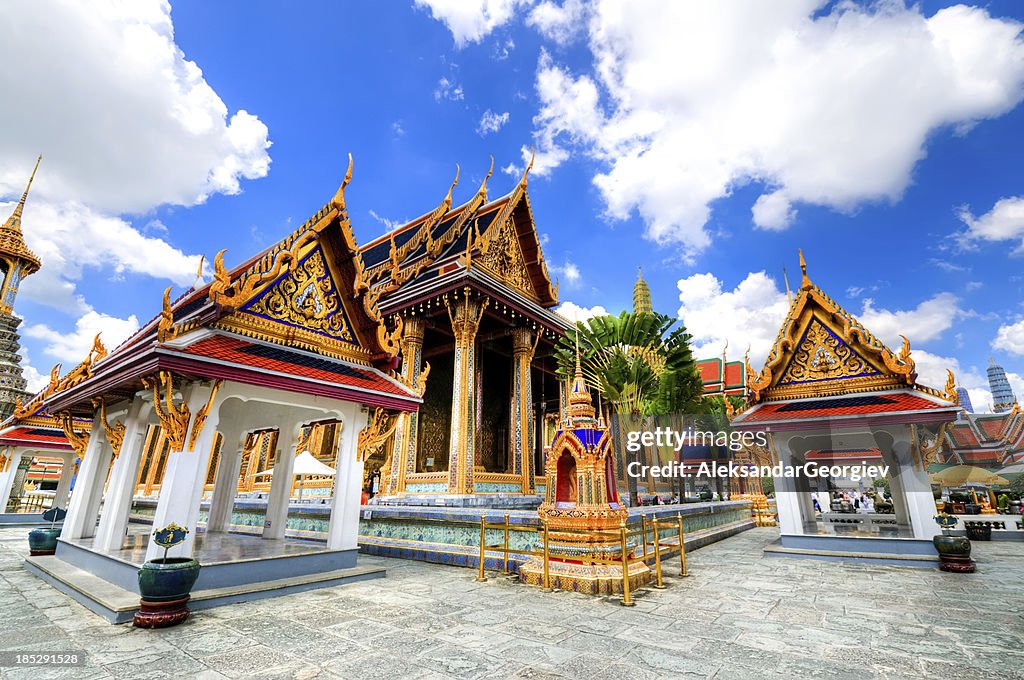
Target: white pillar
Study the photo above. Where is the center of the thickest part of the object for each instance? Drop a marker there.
(276, 520)
(343, 530)
(81, 518)
(787, 499)
(916, 489)
(7, 479)
(181, 488)
(67, 473)
(225, 486)
(118, 504)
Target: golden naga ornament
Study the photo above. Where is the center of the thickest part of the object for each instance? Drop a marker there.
(372, 438)
(165, 327)
(201, 416)
(950, 393)
(173, 419)
(79, 440)
(115, 432)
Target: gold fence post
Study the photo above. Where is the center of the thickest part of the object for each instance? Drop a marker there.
(682, 546)
(657, 556)
(504, 569)
(643, 530)
(481, 576)
(627, 598)
(547, 574)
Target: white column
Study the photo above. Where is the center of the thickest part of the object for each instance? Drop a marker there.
(787, 498)
(7, 479)
(225, 486)
(181, 488)
(343, 530)
(118, 504)
(81, 518)
(276, 520)
(916, 490)
(67, 473)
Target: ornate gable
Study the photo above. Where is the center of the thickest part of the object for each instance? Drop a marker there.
(306, 298)
(822, 355)
(822, 350)
(501, 255)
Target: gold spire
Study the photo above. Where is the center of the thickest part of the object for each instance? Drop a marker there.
(641, 295)
(11, 241)
(805, 283)
(581, 407)
(789, 293)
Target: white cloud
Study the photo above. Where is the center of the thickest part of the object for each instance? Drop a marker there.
(389, 224)
(1004, 222)
(773, 211)
(558, 22)
(126, 124)
(71, 348)
(491, 122)
(931, 372)
(573, 312)
(748, 315)
(569, 271)
(1010, 337)
(830, 107)
(34, 380)
(472, 20)
(929, 320)
(448, 90)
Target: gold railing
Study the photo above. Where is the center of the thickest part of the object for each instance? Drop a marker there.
(623, 535)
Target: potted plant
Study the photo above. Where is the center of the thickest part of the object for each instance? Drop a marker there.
(166, 583)
(1003, 504)
(44, 541)
(954, 551)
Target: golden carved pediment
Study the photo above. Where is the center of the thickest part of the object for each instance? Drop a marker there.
(822, 355)
(502, 256)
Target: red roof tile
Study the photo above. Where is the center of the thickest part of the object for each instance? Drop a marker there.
(883, 403)
(991, 427)
(22, 436)
(710, 370)
(291, 362)
(963, 435)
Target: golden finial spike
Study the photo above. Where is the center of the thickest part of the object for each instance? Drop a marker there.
(529, 166)
(14, 221)
(789, 293)
(482, 191)
(199, 270)
(339, 196)
(805, 283)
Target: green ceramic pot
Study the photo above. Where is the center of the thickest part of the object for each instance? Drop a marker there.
(43, 541)
(952, 546)
(165, 580)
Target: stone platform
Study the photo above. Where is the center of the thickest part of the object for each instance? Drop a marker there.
(235, 568)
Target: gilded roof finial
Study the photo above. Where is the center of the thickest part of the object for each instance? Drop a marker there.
(339, 196)
(805, 283)
(11, 241)
(529, 166)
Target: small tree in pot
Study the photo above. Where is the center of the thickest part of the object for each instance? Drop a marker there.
(165, 583)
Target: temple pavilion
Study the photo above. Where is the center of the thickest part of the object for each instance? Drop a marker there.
(831, 393)
(469, 288)
(287, 342)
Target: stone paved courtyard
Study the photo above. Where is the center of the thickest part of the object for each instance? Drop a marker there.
(739, 615)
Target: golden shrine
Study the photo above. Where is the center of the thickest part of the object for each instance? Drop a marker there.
(581, 509)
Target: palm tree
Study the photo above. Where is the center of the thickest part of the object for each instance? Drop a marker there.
(640, 363)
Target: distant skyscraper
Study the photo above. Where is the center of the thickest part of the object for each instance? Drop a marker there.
(1002, 393)
(965, 399)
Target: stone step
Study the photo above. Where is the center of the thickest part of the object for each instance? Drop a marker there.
(118, 605)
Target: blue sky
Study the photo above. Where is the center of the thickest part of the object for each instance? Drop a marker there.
(704, 143)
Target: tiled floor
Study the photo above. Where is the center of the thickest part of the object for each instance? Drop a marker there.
(740, 615)
(213, 548)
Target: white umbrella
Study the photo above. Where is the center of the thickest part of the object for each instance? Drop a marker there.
(305, 464)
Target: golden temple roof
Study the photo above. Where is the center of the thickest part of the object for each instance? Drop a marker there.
(11, 241)
(823, 350)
